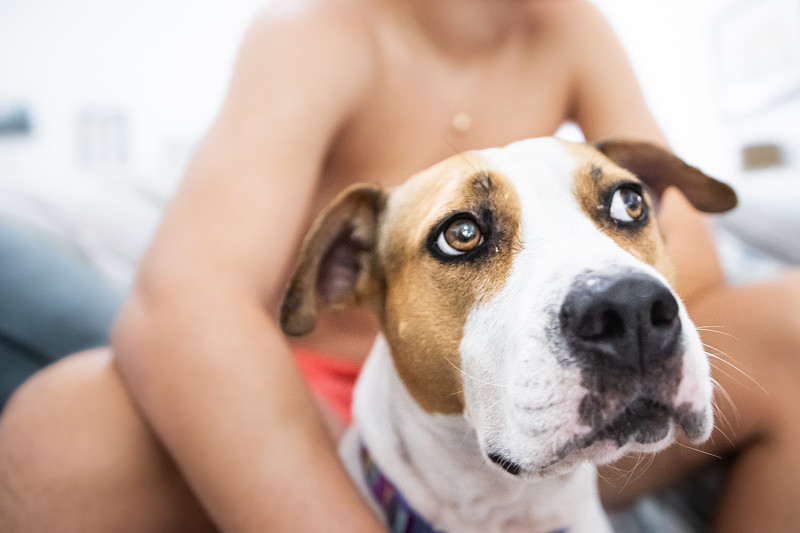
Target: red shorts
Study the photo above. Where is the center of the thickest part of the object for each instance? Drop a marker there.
(331, 379)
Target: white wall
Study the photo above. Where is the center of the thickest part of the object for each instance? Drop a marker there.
(669, 46)
(677, 49)
(160, 67)
(156, 70)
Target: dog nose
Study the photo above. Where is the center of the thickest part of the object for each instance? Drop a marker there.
(628, 321)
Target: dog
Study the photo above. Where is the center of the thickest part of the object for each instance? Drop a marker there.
(529, 331)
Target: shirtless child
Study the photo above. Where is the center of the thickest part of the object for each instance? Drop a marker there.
(200, 420)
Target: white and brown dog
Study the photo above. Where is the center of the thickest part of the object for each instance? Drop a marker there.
(529, 331)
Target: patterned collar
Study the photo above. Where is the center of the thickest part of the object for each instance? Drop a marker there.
(400, 516)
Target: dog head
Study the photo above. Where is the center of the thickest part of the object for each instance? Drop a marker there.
(525, 287)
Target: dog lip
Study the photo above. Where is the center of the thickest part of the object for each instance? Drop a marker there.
(505, 463)
(696, 424)
(643, 420)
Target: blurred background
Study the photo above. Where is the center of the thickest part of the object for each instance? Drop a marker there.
(103, 101)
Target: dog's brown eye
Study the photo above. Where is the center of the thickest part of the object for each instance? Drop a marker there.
(459, 237)
(627, 205)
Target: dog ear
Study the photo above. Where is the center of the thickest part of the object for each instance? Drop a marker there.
(336, 263)
(660, 169)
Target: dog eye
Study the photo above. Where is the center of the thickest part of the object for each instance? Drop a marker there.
(627, 205)
(459, 237)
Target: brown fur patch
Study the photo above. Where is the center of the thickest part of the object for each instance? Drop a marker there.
(662, 169)
(428, 298)
(595, 178)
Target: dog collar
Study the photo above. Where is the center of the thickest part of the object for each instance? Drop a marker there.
(400, 516)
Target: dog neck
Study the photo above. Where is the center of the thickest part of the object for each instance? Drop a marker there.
(436, 462)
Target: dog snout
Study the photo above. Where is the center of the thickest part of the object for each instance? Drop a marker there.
(624, 321)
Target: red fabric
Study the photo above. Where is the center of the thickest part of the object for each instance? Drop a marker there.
(331, 379)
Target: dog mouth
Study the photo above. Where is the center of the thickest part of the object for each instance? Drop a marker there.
(505, 463)
(643, 421)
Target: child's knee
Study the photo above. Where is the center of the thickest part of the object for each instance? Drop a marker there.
(57, 443)
(72, 442)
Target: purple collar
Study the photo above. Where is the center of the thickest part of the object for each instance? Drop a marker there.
(400, 516)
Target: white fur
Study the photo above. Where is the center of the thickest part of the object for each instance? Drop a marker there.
(437, 463)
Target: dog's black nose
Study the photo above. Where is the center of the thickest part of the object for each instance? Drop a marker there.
(628, 321)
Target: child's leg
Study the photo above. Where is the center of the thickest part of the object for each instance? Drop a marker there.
(75, 457)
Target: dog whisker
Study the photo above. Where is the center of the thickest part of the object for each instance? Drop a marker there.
(634, 472)
(720, 354)
(719, 413)
(458, 152)
(721, 430)
(629, 475)
(698, 450)
(717, 329)
(646, 459)
(536, 408)
(464, 158)
(723, 357)
(464, 373)
(605, 478)
(727, 397)
(609, 475)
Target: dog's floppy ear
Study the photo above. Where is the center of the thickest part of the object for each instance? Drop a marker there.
(336, 263)
(660, 169)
